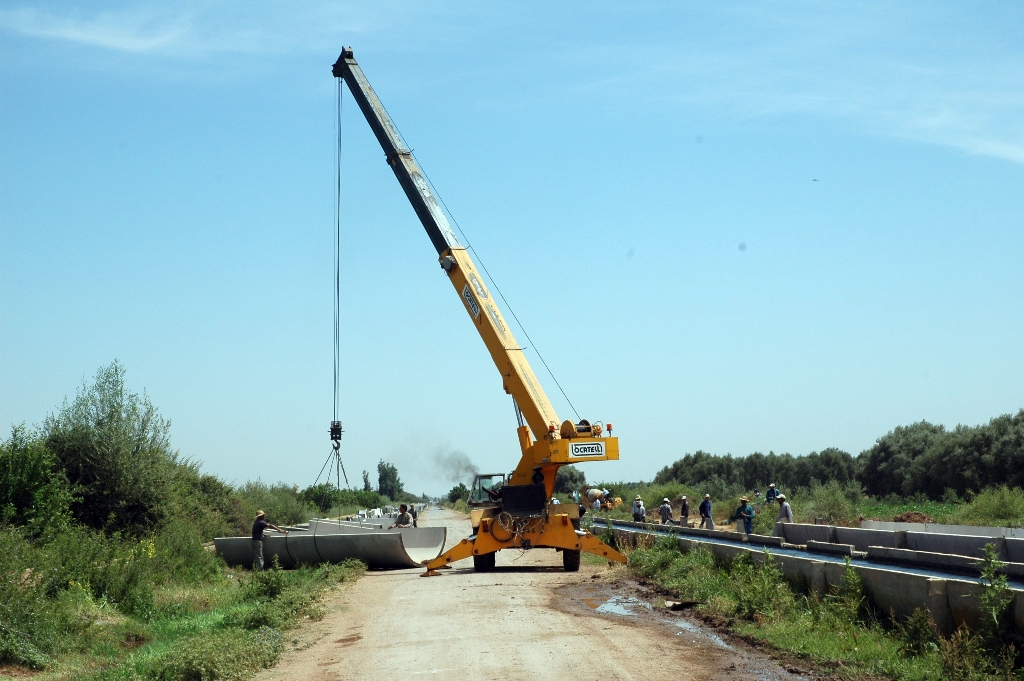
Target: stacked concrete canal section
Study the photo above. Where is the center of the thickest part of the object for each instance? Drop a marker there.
(334, 541)
(901, 569)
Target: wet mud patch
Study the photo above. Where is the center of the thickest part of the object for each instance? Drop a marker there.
(626, 601)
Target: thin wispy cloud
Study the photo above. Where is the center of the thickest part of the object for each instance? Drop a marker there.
(881, 71)
(916, 74)
(136, 32)
(194, 31)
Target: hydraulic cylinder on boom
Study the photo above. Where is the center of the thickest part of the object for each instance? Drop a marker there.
(517, 513)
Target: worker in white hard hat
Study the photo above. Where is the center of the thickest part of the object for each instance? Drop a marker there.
(665, 511)
(639, 512)
(772, 494)
(684, 513)
(785, 510)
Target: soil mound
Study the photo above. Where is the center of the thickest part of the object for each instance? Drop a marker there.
(913, 517)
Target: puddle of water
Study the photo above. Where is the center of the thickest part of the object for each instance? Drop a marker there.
(694, 629)
(617, 605)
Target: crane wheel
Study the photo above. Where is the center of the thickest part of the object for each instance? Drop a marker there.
(485, 563)
(571, 560)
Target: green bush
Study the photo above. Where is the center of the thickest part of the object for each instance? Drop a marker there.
(34, 625)
(225, 655)
(917, 633)
(114, 449)
(209, 505)
(760, 589)
(457, 493)
(33, 493)
(282, 503)
(999, 506)
(264, 585)
(834, 503)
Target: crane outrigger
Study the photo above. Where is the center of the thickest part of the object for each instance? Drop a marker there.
(519, 514)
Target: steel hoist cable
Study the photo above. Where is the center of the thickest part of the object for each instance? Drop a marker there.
(336, 429)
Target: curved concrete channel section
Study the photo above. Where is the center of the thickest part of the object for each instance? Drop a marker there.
(335, 542)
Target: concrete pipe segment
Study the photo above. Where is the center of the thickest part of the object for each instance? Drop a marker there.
(334, 542)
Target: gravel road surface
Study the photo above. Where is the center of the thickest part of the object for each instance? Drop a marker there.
(526, 620)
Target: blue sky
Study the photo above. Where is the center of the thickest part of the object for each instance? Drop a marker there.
(733, 228)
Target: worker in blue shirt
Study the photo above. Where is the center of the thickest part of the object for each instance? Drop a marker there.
(706, 521)
(746, 513)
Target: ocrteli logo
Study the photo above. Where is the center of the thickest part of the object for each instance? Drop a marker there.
(577, 449)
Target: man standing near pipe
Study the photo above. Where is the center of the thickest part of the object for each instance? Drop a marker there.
(258, 526)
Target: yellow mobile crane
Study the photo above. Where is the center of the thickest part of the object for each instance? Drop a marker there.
(519, 514)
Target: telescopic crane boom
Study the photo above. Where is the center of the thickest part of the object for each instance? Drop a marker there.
(522, 512)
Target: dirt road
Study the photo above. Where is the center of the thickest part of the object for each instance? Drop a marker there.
(526, 620)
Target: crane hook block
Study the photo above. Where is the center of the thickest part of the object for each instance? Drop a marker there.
(336, 431)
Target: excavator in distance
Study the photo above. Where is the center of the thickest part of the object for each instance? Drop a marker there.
(517, 513)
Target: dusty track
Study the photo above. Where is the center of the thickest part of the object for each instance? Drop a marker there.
(526, 620)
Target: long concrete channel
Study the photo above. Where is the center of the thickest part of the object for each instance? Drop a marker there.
(942, 583)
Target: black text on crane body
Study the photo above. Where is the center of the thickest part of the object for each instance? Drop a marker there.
(586, 449)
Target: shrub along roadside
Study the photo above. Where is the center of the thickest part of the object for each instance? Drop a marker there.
(838, 631)
(80, 599)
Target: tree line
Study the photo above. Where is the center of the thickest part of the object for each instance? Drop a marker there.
(921, 459)
(104, 461)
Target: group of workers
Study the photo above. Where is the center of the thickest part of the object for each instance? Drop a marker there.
(745, 513)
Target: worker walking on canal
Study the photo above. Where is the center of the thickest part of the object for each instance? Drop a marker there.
(258, 526)
(785, 511)
(706, 521)
(639, 512)
(746, 513)
(684, 513)
(665, 511)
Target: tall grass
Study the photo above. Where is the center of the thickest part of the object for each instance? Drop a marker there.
(839, 630)
(832, 631)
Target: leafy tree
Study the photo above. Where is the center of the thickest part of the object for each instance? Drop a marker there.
(928, 459)
(388, 482)
(569, 478)
(366, 482)
(32, 491)
(460, 491)
(324, 496)
(114, 448)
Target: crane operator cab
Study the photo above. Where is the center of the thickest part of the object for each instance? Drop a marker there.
(486, 489)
